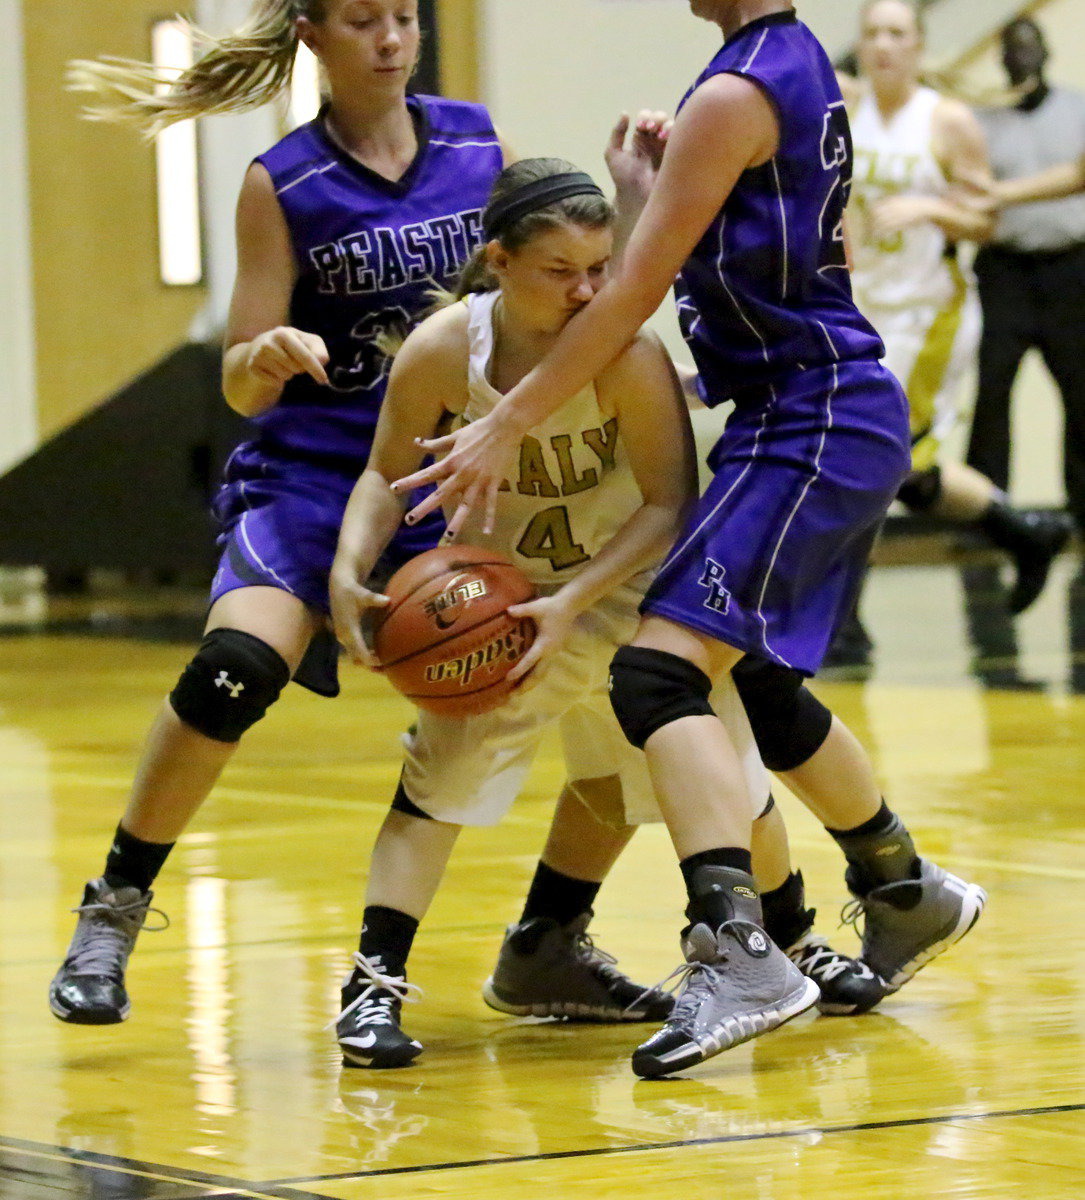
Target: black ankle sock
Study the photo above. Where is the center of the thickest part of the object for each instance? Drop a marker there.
(786, 916)
(387, 934)
(878, 823)
(132, 862)
(879, 851)
(560, 897)
(725, 856)
(1006, 526)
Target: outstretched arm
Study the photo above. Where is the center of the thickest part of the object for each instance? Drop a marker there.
(727, 126)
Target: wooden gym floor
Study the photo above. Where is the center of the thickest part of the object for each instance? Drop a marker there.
(969, 1084)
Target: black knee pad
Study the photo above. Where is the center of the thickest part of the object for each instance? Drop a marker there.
(921, 490)
(789, 722)
(651, 688)
(229, 685)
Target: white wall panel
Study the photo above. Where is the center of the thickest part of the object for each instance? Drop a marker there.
(18, 401)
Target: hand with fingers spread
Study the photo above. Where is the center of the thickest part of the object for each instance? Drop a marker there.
(634, 167)
(474, 462)
(350, 601)
(553, 621)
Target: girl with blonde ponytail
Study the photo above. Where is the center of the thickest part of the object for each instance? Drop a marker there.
(343, 229)
(243, 70)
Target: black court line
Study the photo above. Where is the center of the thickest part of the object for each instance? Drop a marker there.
(220, 1186)
(724, 1139)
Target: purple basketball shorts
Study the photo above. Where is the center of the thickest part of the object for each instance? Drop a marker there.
(773, 555)
(279, 526)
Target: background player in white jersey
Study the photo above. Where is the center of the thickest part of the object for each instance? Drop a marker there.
(913, 149)
(585, 525)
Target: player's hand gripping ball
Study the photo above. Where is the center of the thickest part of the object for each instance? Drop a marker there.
(445, 640)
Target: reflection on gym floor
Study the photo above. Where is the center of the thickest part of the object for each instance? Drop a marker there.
(224, 1081)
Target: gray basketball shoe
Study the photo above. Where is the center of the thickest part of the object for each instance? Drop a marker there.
(736, 984)
(89, 987)
(549, 970)
(909, 923)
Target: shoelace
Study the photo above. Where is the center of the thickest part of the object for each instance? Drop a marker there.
(816, 958)
(854, 909)
(375, 1001)
(598, 960)
(851, 914)
(686, 977)
(98, 952)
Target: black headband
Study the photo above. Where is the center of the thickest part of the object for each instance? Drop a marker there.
(540, 193)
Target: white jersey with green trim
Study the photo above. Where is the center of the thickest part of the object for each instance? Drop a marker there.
(573, 488)
(896, 158)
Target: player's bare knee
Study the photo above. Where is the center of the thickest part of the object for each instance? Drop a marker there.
(789, 723)
(229, 685)
(651, 688)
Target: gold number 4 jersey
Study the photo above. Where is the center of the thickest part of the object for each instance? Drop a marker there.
(572, 488)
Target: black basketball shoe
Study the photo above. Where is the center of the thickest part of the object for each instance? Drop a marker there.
(848, 986)
(549, 970)
(368, 1029)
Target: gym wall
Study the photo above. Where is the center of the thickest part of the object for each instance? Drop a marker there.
(555, 74)
(101, 314)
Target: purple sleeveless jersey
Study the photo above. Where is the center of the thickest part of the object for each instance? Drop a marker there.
(369, 251)
(772, 556)
(767, 290)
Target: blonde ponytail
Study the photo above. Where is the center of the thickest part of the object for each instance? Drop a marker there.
(242, 70)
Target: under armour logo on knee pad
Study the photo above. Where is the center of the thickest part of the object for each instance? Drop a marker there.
(223, 681)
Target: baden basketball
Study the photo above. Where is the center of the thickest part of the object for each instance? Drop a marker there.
(445, 640)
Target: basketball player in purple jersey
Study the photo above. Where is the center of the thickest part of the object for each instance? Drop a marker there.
(747, 212)
(343, 228)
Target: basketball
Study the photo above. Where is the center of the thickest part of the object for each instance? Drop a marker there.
(445, 640)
